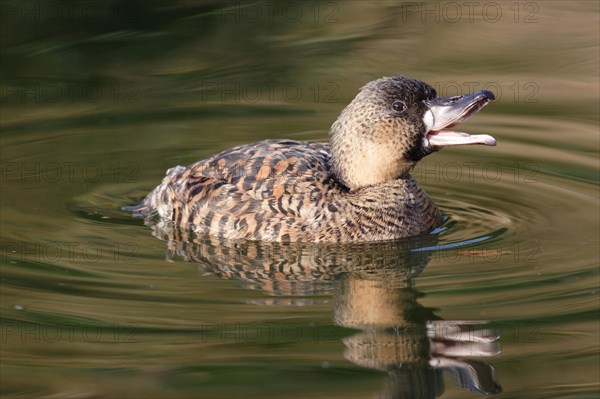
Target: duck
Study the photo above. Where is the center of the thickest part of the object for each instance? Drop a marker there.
(355, 188)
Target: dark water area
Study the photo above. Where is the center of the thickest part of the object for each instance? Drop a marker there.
(100, 98)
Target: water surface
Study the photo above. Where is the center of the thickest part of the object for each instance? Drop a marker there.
(98, 103)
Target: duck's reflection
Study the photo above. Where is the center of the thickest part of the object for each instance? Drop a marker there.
(374, 293)
(409, 341)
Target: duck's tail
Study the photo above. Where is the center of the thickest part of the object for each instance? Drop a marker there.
(161, 200)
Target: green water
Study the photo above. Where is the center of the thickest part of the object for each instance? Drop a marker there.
(100, 98)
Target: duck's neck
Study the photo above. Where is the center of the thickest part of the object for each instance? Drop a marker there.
(362, 158)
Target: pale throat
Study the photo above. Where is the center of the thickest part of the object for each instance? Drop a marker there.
(368, 163)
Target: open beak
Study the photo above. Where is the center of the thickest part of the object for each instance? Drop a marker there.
(446, 112)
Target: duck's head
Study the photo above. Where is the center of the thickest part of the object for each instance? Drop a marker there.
(394, 122)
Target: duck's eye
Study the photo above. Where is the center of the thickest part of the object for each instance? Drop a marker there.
(399, 106)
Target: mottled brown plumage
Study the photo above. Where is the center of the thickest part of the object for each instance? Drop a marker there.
(356, 188)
